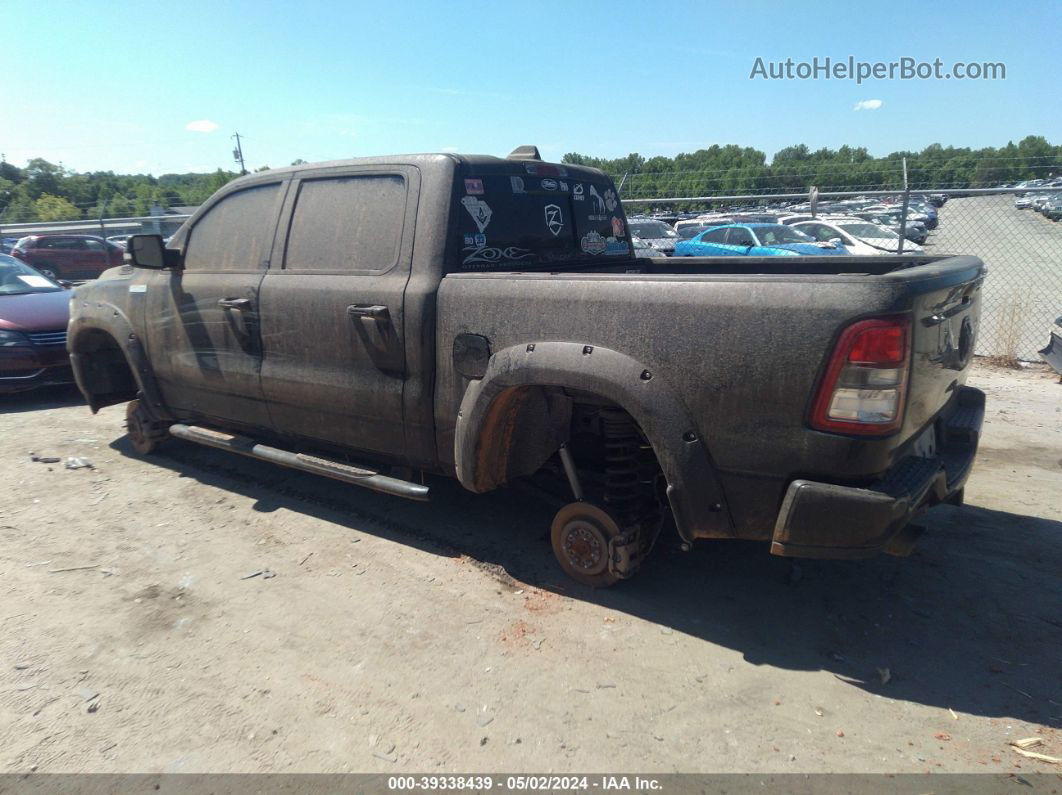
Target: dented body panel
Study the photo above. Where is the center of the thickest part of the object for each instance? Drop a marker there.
(392, 311)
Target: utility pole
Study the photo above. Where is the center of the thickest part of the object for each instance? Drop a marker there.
(237, 154)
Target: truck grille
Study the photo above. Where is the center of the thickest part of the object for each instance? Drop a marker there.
(48, 338)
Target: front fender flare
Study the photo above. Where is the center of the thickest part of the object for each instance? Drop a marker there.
(693, 490)
(95, 317)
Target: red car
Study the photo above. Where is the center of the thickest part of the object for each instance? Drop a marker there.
(68, 256)
(34, 311)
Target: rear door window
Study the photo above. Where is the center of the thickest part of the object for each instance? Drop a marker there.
(535, 217)
(350, 223)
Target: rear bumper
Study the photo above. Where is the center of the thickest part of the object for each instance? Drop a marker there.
(824, 520)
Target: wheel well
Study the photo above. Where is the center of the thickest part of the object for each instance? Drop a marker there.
(526, 425)
(105, 374)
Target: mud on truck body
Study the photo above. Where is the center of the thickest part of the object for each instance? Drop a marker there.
(485, 318)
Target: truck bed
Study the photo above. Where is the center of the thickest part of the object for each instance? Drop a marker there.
(743, 352)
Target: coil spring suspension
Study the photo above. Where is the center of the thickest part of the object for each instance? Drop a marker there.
(624, 465)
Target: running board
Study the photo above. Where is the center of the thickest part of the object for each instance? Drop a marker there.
(358, 476)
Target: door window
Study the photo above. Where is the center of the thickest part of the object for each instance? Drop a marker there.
(67, 243)
(739, 236)
(236, 234)
(715, 236)
(345, 224)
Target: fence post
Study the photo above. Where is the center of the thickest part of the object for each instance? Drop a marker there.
(906, 203)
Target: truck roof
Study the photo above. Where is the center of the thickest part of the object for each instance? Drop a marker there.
(477, 162)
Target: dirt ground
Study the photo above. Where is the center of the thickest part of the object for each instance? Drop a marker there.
(400, 636)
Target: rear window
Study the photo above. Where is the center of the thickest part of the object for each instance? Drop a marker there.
(534, 216)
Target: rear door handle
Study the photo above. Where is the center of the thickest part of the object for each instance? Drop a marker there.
(240, 304)
(373, 311)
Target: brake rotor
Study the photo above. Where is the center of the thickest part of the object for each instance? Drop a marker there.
(581, 533)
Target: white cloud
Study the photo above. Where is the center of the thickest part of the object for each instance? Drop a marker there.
(450, 149)
(202, 125)
(868, 104)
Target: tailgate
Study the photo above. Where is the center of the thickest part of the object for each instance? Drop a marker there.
(946, 310)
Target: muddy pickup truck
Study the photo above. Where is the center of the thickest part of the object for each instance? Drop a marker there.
(386, 321)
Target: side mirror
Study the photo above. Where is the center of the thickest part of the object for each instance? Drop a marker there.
(148, 251)
(836, 241)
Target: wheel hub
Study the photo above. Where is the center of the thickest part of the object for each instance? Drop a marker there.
(585, 545)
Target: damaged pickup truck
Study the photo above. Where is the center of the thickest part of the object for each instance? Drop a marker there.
(383, 320)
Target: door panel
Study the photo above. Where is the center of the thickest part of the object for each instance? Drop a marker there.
(203, 328)
(332, 318)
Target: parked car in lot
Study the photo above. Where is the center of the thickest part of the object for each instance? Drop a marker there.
(72, 257)
(915, 231)
(468, 329)
(643, 250)
(692, 230)
(1039, 201)
(856, 235)
(896, 211)
(33, 315)
(118, 240)
(658, 235)
(754, 240)
(1023, 202)
(700, 223)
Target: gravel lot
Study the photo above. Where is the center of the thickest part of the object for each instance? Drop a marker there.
(399, 636)
(1023, 252)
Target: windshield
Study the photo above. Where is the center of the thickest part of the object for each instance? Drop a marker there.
(868, 230)
(17, 278)
(650, 230)
(775, 234)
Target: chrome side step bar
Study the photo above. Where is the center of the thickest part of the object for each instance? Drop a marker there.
(358, 476)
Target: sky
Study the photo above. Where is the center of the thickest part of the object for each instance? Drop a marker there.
(161, 87)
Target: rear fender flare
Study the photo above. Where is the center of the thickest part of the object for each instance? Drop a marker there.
(694, 492)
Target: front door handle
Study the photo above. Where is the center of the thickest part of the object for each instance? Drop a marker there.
(240, 304)
(372, 311)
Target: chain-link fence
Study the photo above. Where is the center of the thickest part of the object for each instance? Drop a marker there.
(1015, 231)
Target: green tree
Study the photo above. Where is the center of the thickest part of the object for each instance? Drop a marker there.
(55, 208)
(20, 209)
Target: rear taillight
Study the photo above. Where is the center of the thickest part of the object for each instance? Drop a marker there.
(866, 380)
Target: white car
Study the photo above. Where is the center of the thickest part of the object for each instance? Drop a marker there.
(912, 214)
(1023, 202)
(858, 236)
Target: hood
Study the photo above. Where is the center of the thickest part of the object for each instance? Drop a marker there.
(661, 243)
(35, 311)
